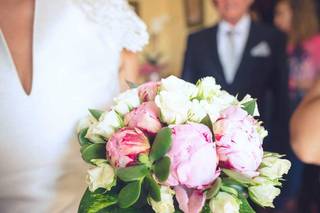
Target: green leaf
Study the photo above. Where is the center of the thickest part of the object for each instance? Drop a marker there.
(82, 137)
(234, 184)
(93, 202)
(245, 206)
(250, 106)
(240, 178)
(131, 85)
(206, 209)
(96, 113)
(154, 188)
(161, 144)
(94, 151)
(207, 121)
(117, 209)
(129, 194)
(213, 191)
(132, 173)
(229, 190)
(162, 168)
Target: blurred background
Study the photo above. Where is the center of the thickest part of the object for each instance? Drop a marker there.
(171, 21)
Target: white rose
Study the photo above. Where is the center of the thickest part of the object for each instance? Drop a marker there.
(218, 104)
(108, 123)
(126, 101)
(177, 85)
(207, 88)
(261, 130)
(247, 99)
(102, 176)
(264, 194)
(166, 204)
(85, 123)
(174, 107)
(224, 203)
(196, 112)
(274, 168)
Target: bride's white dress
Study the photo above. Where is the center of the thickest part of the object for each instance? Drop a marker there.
(76, 50)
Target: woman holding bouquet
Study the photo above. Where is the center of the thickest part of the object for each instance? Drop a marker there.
(57, 59)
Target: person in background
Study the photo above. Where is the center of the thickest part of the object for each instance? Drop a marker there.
(298, 19)
(245, 57)
(305, 141)
(305, 137)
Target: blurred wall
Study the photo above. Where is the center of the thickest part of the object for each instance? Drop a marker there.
(172, 39)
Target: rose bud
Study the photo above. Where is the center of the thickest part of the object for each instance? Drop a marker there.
(239, 144)
(148, 91)
(144, 117)
(125, 146)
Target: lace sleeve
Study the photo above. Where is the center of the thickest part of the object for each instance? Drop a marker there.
(119, 21)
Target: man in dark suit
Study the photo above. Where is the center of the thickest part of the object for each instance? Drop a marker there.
(245, 58)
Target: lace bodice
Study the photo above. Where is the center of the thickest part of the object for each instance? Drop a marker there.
(118, 21)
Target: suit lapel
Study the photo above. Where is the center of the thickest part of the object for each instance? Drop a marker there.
(243, 71)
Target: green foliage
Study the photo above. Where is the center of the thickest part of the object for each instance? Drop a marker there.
(213, 191)
(93, 202)
(96, 113)
(250, 106)
(82, 137)
(131, 85)
(162, 168)
(245, 206)
(154, 188)
(129, 194)
(132, 173)
(161, 144)
(207, 121)
(240, 178)
(93, 151)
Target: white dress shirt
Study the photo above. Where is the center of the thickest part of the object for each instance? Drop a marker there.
(76, 54)
(231, 41)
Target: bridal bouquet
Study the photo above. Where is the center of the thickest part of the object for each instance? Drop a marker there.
(172, 146)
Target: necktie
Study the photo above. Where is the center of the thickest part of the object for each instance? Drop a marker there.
(232, 62)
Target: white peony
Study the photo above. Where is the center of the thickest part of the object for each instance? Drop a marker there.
(126, 101)
(207, 88)
(196, 112)
(274, 168)
(174, 107)
(102, 176)
(264, 194)
(166, 204)
(177, 85)
(224, 203)
(108, 123)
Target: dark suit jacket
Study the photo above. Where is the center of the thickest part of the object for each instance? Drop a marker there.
(265, 78)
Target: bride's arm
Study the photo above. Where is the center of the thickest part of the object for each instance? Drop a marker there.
(305, 127)
(129, 67)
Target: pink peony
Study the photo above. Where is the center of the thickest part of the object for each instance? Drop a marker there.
(124, 147)
(193, 156)
(190, 201)
(148, 91)
(144, 117)
(239, 145)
